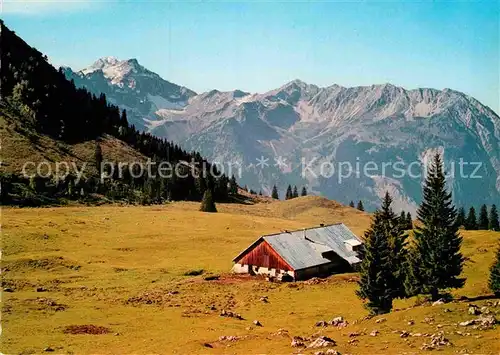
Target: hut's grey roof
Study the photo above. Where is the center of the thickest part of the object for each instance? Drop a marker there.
(304, 248)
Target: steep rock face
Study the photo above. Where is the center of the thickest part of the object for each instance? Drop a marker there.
(345, 143)
(131, 86)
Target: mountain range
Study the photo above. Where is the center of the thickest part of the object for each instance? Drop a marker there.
(305, 135)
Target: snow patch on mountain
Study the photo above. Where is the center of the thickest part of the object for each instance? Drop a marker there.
(129, 85)
(161, 103)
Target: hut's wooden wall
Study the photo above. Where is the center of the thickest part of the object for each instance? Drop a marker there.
(264, 255)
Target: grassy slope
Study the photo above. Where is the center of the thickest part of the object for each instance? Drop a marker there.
(21, 144)
(124, 252)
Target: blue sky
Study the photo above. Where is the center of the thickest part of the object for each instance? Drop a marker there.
(258, 46)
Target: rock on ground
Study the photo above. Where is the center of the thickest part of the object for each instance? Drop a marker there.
(484, 322)
(404, 334)
(322, 342)
(439, 302)
(338, 322)
(229, 338)
(328, 352)
(297, 342)
(473, 311)
(230, 314)
(437, 341)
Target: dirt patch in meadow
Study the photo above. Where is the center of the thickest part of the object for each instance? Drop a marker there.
(86, 329)
(194, 299)
(45, 304)
(124, 249)
(339, 278)
(48, 264)
(226, 279)
(16, 284)
(154, 297)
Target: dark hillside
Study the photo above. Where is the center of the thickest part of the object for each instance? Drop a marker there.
(38, 102)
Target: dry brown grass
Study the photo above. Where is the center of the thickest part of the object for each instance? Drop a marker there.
(130, 279)
(310, 210)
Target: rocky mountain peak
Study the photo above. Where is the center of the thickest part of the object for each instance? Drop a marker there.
(376, 123)
(114, 69)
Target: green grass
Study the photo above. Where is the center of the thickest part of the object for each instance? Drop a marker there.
(126, 269)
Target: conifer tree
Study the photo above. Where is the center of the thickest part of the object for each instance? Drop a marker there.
(360, 206)
(304, 191)
(289, 193)
(33, 184)
(207, 203)
(461, 217)
(435, 261)
(98, 158)
(402, 220)
(71, 188)
(484, 223)
(494, 280)
(295, 192)
(233, 186)
(395, 233)
(351, 204)
(409, 221)
(274, 193)
(494, 223)
(375, 270)
(123, 118)
(471, 221)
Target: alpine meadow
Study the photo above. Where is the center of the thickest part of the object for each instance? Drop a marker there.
(244, 211)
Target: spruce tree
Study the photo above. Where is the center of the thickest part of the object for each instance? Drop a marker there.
(289, 193)
(435, 262)
(351, 204)
(98, 158)
(274, 193)
(33, 183)
(483, 218)
(123, 118)
(304, 191)
(395, 233)
(295, 192)
(494, 280)
(461, 217)
(360, 206)
(409, 221)
(494, 223)
(233, 186)
(207, 203)
(71, 188)
(471, 221)
(375, 271)
(402, 220)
